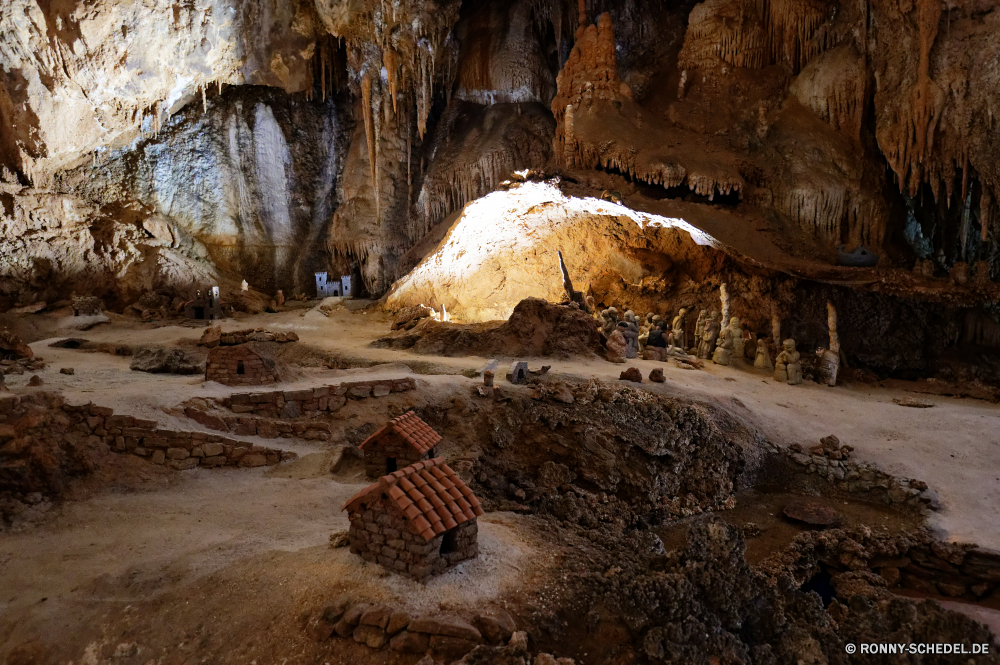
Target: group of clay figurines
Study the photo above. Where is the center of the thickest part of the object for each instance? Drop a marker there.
(628, 337)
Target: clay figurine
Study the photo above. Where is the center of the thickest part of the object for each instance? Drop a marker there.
(680, 334)
(736, 332)
(725, 345)
(631, 339)
(787, 366)
(763, 359)
(699, 328)
(710, 335)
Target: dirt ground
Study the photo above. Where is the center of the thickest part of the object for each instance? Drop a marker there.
(225, 565)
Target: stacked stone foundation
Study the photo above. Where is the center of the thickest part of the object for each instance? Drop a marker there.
(383, 538)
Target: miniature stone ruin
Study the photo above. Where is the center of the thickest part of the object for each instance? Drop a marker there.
(518, 372)
(207, 307)
(326, 287)
(241, 365)
(404, 440)
(87, 306)
(417, 521)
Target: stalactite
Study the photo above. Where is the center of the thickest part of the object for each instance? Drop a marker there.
(366, 103)
(391, 62)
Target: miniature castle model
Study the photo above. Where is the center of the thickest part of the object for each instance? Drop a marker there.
(240, 365)
(418, 521)
(402, 441)
(338, 287)
(207, 307)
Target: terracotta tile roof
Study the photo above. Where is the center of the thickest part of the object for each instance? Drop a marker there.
(429, 494)
(409, 426)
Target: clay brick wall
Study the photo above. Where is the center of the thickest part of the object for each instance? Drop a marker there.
(311, 402)
(178, 450)
(393, 445)
(224, 366)
(380, 534)
(87, 306)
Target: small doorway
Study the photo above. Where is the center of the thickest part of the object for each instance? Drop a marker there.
(240, 369)
(199, 312)
(449, 542)
(390, 465)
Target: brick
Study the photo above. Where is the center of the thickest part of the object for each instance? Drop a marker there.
(359, 391)
(253, 459)
(183, 464)
(101, 411)
(397, 621)
(453, 647)
(197, 451)
(372, 636)
(376, 616)
(242, 408)
(145, 424)
(212, 449)
(178, 453)
(215, 460)
(448, 626)
(409, 642)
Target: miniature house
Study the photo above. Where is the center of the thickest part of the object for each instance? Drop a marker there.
(417, 521)
(404, 440)
(207, 307)
(241, 365)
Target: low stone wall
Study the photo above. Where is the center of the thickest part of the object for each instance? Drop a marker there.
(915, 561)
(178, 450)
(382, 627)
(290, 404)
(862, 479)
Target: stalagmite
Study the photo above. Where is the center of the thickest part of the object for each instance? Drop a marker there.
(724, 296)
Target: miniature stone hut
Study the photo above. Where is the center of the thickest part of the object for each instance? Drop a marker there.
(404, 440)
(417, 521)
(241, 365)
(87, 306)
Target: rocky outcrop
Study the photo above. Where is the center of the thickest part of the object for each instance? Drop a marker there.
(504, 248)
(535, 328)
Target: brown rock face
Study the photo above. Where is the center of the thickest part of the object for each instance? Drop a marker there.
(535, 328)
(11, 345)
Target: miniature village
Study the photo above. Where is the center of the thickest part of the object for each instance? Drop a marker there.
(534, 332)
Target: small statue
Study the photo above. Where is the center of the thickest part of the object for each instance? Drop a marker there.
(699, 328)
(763, 359)
(244, 286)
(737, 336)
(610, 316)
(680, 334)
(787, 366)
(631, 339)
(281, 297)
(710, 335)
(726, 344)
(617, 347)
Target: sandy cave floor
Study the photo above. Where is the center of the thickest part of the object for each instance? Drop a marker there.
(252, 545)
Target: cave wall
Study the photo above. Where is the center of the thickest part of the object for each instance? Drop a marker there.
(293, 136)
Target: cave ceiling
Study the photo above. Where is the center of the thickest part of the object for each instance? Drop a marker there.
(265, 140)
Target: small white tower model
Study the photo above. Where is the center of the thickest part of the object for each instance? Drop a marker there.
(345, 284)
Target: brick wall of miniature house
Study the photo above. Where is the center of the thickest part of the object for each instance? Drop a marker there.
(224, 366)
(380, 534)
(392, 445)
